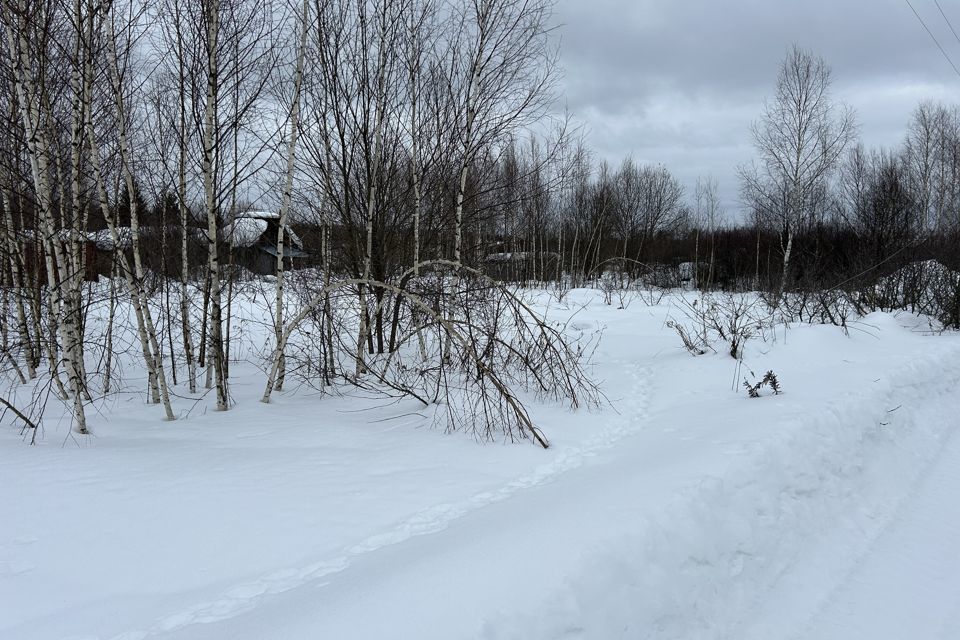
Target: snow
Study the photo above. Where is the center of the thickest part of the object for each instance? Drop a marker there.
(244, 231)
(247, 227)
(902, 583)
(103, 238)
(263, 215)
(292, 238)
(683, 509)
(515, 256)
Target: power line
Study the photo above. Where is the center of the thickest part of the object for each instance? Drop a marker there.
(947, 20)
(933, 37)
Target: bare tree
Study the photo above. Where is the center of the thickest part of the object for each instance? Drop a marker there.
(33, 30)
(800, 139)
(118, 50)
(237, 55)
(879, 204)
(501, 79)
(303, 21)
(932, 151)
(707, 214)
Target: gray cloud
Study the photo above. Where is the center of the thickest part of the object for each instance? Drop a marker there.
(679, 82)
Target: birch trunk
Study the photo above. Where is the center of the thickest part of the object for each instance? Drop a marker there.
(16, 270)
(288, 186)
(215, 346)
(108, 355)
(160, 391)
(414, 78)
(786, 264)
(364, 334)
(122, 262)
(77, 233)
(185, 330)
(30, 99)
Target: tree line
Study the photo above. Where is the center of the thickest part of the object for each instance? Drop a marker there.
(380, 123)
(414, 146)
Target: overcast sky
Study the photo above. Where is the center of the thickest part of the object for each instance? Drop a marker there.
(678, 82)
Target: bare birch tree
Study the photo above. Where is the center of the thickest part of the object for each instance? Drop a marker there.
(302, 19)
(118, 86)
(30, 30)
(707, 214)
(501, 78)
(800, 139)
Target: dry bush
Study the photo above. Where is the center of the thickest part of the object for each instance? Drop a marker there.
(461, 341)
(731, 319)
(925, 287)
(831, 306)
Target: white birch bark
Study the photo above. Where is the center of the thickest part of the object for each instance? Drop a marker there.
(288, 183)
(373, 170)
(111, 315)
(29, 95)
(215, 345)
(138, 273)
(123, 263)
(185, 329)
(16, 270)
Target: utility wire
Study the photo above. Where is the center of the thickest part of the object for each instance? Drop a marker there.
(947, 20)
(933, 37)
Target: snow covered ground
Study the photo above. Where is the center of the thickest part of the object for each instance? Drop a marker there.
(683, 509)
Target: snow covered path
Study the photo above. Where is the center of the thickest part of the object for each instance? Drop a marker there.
(907, 585)
(229, 608)
(650, 533)
(682, 511)
(892, 579)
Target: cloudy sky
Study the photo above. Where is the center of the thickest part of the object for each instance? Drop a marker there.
(678, 82)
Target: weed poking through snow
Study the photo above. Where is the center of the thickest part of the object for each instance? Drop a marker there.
(769, 379)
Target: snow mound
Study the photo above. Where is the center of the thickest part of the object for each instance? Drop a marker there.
(244, 231)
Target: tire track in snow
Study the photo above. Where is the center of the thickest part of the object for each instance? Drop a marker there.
(245, 596)
(696, 567)
(806, 587)
(951, 626)
(907, 581)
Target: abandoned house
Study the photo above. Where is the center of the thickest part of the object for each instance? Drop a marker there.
(252, 236)
(31, 262)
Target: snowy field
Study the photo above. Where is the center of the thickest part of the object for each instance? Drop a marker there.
(681, 509)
